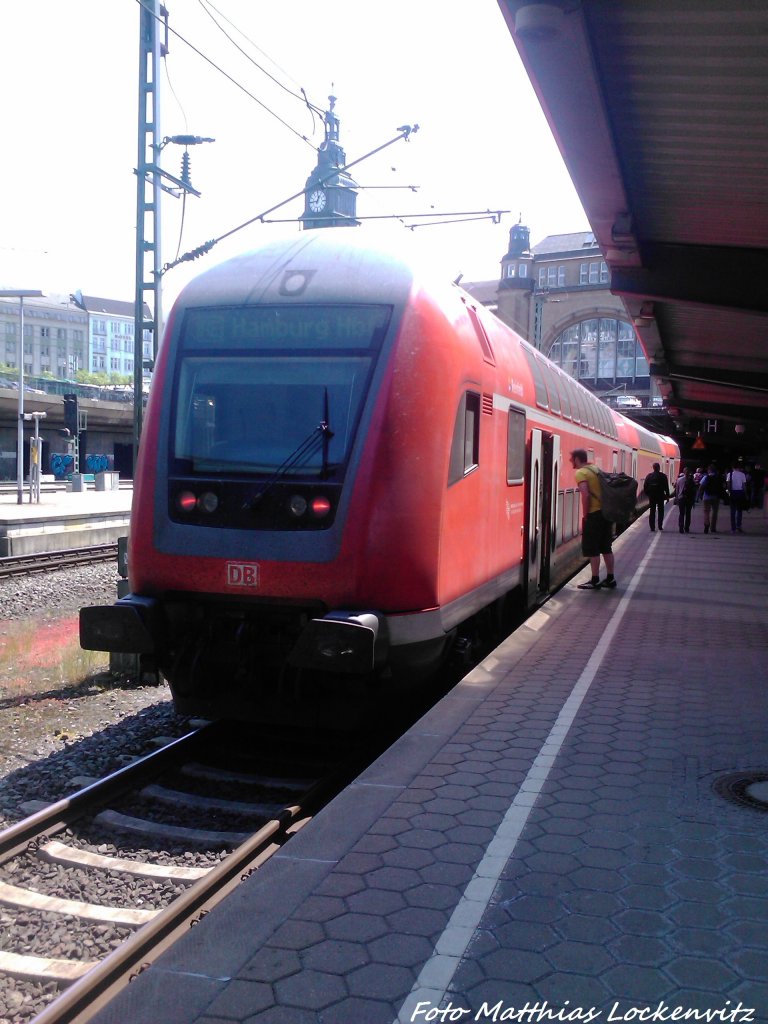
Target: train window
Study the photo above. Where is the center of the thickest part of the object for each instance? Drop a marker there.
(550, 376)
(538, 377)
(612, 433)
(265, 390)
(482, 337)
(595, 413)
(605, 418)
(565, 396)
(559, 538)
(465, 449)
(269, 414)
(596, 407)
(574, 398)
(515, 447)
(582, 403)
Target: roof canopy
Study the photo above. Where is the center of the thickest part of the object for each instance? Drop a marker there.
(658, 107)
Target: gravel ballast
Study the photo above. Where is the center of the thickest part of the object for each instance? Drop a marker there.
(51, 735)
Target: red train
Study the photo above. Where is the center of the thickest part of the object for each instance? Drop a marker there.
(342, 465)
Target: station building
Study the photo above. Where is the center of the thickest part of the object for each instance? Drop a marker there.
(556, 294)
(66, 334)
(56, 335)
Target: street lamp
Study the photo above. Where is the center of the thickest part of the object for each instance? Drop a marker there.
(20, 294)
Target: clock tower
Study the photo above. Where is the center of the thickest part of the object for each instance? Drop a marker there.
(330, 196)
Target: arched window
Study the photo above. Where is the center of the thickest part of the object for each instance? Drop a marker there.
(600, 352)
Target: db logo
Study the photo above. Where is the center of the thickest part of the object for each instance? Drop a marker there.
(242, 574)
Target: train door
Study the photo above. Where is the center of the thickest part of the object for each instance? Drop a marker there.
(541, 512)
(550, 460)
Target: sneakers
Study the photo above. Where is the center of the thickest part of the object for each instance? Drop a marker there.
(591, 585)
(598, 585)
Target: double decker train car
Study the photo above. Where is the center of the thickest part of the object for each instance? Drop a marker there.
(343, 466)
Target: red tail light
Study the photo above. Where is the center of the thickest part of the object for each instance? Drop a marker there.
(320, 507)
(186, 501)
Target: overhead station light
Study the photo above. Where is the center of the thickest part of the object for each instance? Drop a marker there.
(538, 23)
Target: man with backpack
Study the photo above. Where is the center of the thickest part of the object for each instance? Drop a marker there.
(685, 499)
(656, 488)
(711, 490)
(596, 531)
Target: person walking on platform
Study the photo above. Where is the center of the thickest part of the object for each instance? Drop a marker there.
(711, 492)
(596, 531)
(685, 497)
(656, 488)
(737, 491)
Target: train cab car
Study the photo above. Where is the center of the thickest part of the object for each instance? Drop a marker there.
(343, 464)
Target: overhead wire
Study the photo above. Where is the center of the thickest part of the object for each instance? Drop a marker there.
(404, 132)
(239, 85)
(186, 130)
(206, 4)
(302, 98)
(314, 110)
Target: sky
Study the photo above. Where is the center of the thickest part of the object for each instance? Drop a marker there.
(69, 82)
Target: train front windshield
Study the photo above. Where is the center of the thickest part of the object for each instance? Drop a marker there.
(273, 389)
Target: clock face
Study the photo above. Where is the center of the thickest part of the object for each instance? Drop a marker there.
(317, 201)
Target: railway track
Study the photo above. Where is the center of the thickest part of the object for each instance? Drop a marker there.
(163, 840)
(30, 565)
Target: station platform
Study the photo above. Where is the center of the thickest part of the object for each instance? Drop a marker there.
(62, 519)
(576, 833)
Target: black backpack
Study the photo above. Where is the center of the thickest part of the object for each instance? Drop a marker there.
(653, 485)
(618, 495)
(713, 485)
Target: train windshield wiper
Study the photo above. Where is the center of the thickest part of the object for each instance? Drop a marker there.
(327, 433)
(319, 438)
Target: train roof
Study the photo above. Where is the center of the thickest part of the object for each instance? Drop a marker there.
(341, 265)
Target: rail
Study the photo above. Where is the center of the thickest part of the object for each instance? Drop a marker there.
(65, 558)
(92, 985)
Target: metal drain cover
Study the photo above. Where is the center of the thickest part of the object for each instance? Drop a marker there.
(748, 789)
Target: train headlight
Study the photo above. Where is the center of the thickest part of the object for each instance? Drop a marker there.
(297, 505)
(320, 507)
(186, 501)
(208, 502)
